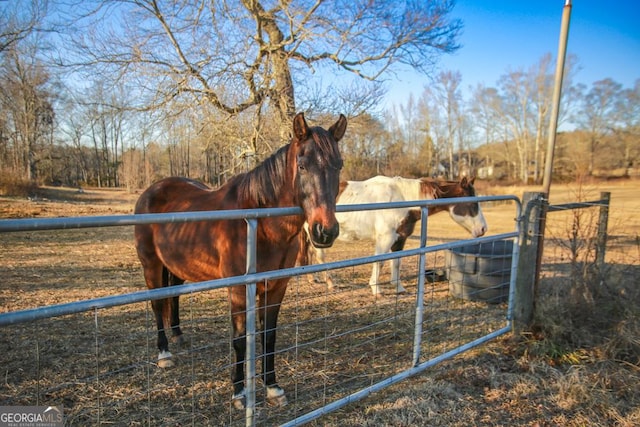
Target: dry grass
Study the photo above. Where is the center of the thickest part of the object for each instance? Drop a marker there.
(579, 366)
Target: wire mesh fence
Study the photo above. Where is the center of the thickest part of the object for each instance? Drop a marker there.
(100, 365)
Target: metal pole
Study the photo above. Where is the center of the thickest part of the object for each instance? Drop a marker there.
(250, 355)
(422, 263)
(557, 91)
(553, 129)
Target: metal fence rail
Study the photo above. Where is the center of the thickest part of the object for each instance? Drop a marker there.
(419, 361)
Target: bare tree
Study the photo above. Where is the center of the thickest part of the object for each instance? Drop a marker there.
(599, 114)
(27, 107)
(542, 95)
(485, 108)
(516, 92)
(366, 151)
(19, 20)
(448, 99)
(248, 54)
(628, 125)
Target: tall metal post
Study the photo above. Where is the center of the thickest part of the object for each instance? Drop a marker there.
(422, 263)
(250, 354)
(553, 130)
(557, 92)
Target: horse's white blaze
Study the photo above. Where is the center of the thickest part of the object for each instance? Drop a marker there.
(476, 225)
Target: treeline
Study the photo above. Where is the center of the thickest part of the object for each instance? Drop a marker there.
(96, 117)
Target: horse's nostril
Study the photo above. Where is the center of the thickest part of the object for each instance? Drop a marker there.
(322, 235)
(317, 230)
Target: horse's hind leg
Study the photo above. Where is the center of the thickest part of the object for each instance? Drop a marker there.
(154, 277)
(164, 356)
(176, 332)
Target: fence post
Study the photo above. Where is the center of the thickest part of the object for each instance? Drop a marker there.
(250, 329)
(528, 239)
(603, 221)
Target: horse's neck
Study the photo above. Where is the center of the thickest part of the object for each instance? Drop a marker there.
(267, 185)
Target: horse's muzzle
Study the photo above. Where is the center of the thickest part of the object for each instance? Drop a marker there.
(322, 237)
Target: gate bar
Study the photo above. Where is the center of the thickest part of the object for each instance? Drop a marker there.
(361, 394)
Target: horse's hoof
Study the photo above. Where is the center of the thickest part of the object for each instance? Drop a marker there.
(177, 340)
(165, 360)
(239, 401)
(165, 363)
(276, 396)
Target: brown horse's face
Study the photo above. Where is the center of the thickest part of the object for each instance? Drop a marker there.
(317, 178)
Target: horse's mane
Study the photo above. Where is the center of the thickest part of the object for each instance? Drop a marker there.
(446, 188)
(442, 188)
(263, 184)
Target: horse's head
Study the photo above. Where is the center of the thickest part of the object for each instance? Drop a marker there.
(468, 215)
(317, 177)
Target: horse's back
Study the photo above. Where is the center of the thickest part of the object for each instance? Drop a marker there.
(174, 194)
(365, 224)
(188, 249)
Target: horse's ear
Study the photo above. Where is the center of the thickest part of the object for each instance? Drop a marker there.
(300, 127)
(467, 182)
(339, 128)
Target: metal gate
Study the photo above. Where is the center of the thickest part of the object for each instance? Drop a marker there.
(408, 329)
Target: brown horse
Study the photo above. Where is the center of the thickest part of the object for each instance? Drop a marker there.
(304, 173)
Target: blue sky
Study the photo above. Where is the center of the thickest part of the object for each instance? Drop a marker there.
(501, 36)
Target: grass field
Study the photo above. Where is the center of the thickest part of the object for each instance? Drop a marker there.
(579, 365)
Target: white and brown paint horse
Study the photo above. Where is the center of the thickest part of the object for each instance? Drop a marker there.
(390, 228)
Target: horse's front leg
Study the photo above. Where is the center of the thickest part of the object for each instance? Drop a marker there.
(320, 258)
(238, 322)
(269, 307)
(395, 265)
(395, 276)
(384, 242)
(383, 245)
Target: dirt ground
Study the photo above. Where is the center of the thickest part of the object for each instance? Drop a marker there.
(94, 363)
